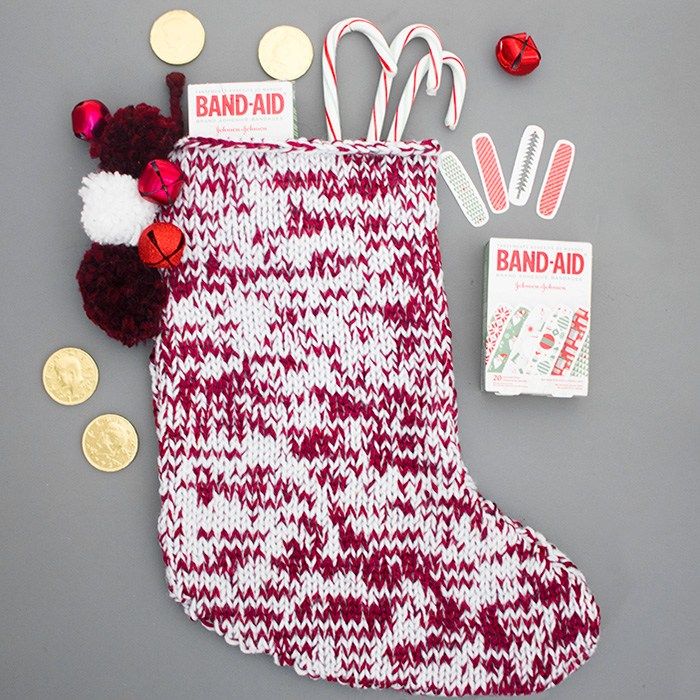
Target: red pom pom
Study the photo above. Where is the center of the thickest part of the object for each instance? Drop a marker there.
(120, 295)
(161, 245)
(518, 54)
(161, 182)
(132, 136)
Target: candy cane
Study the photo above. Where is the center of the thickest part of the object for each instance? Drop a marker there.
(330, 79)
(408, 96)
(381, 98)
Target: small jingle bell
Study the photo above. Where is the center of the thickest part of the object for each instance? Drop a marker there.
(518, 54)
(88, 118)
(161, 245)
(161, 182)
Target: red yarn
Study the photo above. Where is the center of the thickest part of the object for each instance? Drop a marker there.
(176, 84)
(120, 294)
(137, 134)
(132, 137)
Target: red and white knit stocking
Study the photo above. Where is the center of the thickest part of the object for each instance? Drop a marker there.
(315, 504)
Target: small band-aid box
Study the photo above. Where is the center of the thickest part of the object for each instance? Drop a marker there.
(537, 317)
(259, 111)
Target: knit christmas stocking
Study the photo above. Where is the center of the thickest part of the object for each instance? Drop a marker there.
(315, 505)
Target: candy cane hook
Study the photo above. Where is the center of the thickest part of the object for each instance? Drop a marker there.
(330, 79)
(381, 98)
(408, 96)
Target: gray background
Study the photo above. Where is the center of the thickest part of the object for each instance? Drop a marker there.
(612, 479)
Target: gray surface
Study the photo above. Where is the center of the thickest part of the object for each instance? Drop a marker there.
(612, 479)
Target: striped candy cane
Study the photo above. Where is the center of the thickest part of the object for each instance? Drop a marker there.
(330, 79)
(408, 96)
(381, 98)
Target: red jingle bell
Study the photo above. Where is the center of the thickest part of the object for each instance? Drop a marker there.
(518, 54)
(88, 118)
(161, 182)
(161, 245)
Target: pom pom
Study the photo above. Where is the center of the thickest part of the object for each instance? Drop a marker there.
(132, 136)
(161, 245)
(161, 182)
(88, 118)
(113, 210)
(120, 295)
(518, 54)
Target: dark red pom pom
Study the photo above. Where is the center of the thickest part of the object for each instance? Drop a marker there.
(120, 294)
(132, 137)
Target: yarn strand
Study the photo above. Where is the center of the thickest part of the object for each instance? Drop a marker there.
(176, 85)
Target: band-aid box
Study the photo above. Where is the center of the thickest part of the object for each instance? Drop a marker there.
(257, 111)
(537, 317)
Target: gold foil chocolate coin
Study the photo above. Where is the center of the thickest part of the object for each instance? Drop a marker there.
(177, 37)
(285, 53)
(70, 376)
(110, 442)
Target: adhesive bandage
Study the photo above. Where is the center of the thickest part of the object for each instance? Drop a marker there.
(526, 161)
(491, 172)
(555, 179)
(463, 189)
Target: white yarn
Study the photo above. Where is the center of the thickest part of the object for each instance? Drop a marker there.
(113, 210)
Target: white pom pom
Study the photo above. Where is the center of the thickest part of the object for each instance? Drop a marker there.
(113, 210)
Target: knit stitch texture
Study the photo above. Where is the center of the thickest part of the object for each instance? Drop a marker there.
(315, 506)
